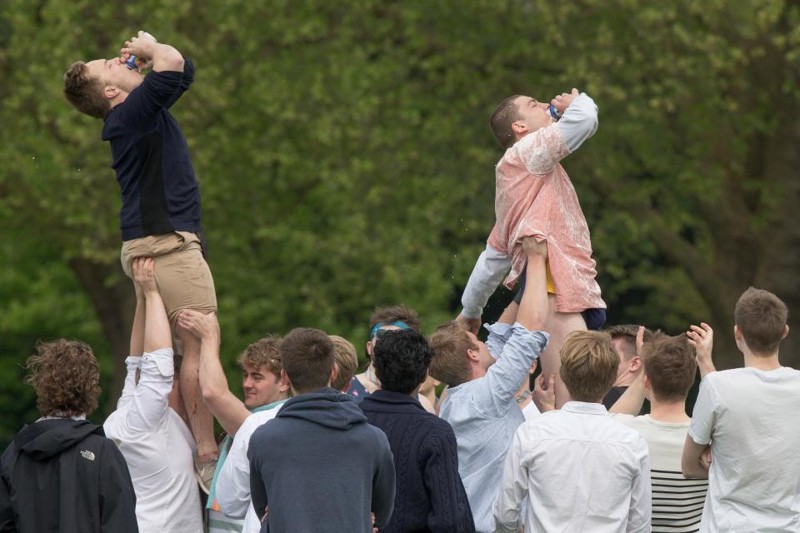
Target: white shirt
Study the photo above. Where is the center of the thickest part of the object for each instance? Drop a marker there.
(752, 420)
(581, 470)
(677, 501)
(158, 448)
(233, 482)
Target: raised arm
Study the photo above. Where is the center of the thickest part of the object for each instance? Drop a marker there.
(223, 404)
(533, 308)
(163, 56)
(580, 119)
(150, 397)
(525, 341)
(487, 274)
(136, 349)
(702, 338)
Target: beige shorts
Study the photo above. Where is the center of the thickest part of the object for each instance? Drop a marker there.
(182, 274)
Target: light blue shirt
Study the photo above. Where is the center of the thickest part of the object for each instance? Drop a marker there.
(484, 415)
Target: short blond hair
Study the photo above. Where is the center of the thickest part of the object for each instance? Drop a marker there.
(346, 359)
(588, 365)
(450, 344)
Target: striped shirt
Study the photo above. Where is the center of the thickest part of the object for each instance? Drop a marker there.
(677, 502)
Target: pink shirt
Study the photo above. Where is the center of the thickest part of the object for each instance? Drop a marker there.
(534, 197)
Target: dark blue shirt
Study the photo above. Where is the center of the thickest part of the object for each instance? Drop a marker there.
(430, 495)
(151, 159)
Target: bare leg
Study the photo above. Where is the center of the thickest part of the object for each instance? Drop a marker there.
(559, 326)
(200, 419)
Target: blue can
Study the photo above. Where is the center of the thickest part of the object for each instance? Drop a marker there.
(554, 112)
(132, 63)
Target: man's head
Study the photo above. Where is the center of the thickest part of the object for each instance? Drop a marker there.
(307, 356)
(517, 116)
(401, 360)
(66, 378)
(670, 366)
(389, 319)
(623, 340)
(346, 361)
(458, 355)
(760, 319)
(97, 86)
(588, 365)
(261, 373)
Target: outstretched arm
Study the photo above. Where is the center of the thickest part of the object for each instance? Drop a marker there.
(150, 397)
(534, 306)
(489, 270)
(227, 408)
(525, 340)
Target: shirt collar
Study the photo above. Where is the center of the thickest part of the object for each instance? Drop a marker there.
(587, 408)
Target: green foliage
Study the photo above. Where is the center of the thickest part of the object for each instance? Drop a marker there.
(345, 161)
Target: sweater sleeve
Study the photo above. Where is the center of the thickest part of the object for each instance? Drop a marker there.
(450, 510)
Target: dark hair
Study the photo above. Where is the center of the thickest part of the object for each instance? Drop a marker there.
(395, 313)
(503, 117)
(627, 334)
(307, 356)
(401, 360)
(761, 317)
(671, 365)
(66, 378)
(85, 93)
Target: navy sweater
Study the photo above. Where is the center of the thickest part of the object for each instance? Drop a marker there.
(430, 495)
(151, 159)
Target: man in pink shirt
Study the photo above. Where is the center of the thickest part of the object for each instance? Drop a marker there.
(535, 197)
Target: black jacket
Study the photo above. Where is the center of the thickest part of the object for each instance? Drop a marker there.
(65, 476)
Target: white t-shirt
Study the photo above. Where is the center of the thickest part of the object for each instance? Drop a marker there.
(158, 447)
(677, 501)
(752, 420)
(581, 470)
(233, 482)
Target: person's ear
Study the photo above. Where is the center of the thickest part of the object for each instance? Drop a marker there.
(737, 333)
(785, 331)
(473, 354)
(636, 364)
(285, 379)
(334, 373)
(111, 92)
(519, 127)
(369, 348)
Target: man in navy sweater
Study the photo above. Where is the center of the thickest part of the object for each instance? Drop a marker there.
(160, 214)
(430, 495)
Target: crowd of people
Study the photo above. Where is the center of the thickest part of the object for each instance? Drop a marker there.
(446, 433)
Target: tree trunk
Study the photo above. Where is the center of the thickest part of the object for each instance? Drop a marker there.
(114, 301)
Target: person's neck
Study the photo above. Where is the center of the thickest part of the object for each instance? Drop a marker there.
(672, 412)
(762, 362)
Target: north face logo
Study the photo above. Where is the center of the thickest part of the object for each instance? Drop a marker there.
(86, 454)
